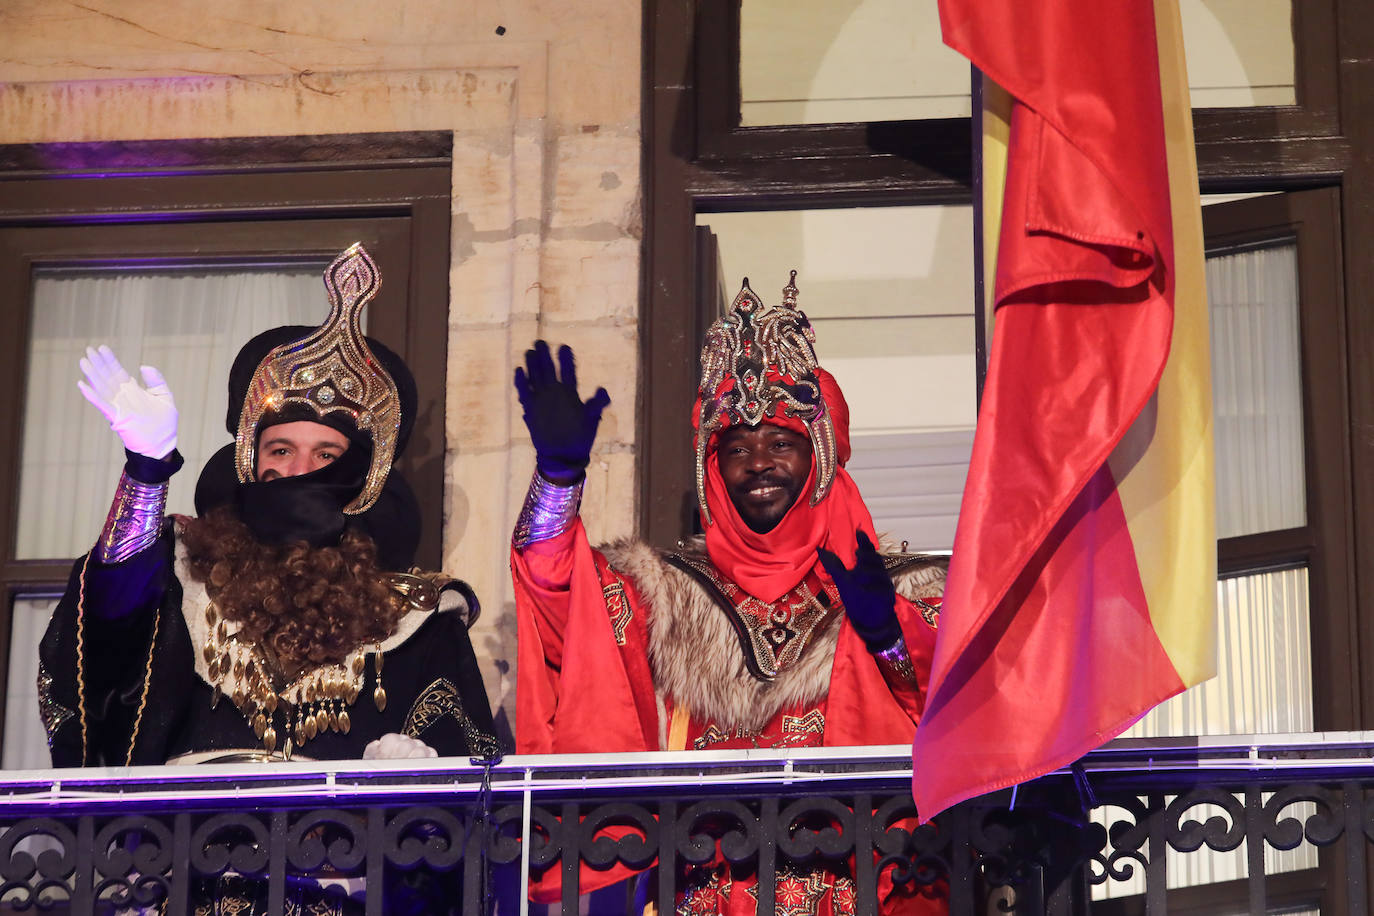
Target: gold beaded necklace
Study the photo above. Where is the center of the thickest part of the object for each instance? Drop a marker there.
(315, 701)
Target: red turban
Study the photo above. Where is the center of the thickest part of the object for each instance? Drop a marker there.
(767, 566)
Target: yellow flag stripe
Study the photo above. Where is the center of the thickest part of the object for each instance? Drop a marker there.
(996, 113)
(1164, 466)
(1167, 489)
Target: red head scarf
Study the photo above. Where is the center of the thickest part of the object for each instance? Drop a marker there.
(768, 565)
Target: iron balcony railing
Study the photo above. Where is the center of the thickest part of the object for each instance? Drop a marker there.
(380, 835)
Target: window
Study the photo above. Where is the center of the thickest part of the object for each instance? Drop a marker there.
(121, 258)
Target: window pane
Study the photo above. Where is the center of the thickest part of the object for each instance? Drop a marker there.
(813, 62)
(26, 743)
(188, 324)
(1240, 52)
(1264, 665)
(890, 293)
(1257, 391)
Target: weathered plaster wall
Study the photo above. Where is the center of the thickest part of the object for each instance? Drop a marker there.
(546, 187)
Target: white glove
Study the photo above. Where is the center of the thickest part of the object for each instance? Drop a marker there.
(145, 418)
(395, 746)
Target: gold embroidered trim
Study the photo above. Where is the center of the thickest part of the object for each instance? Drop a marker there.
(441, 698)
(794, 732)
(714, 734)
(53, 713)
(437, 700)
(774, 635)
(796, 893)
(813, 723)
(930, 613)
(618, 608)
(147, 682)
(81, 654)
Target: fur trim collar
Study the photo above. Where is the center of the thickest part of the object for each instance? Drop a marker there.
(695, 654)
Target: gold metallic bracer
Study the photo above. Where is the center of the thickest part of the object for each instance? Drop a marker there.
(331, 370)
(759, 361)
(134, 520)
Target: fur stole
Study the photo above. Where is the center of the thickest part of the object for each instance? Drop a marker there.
(695, 654)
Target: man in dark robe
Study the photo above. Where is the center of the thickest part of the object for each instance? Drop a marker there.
(284, 620)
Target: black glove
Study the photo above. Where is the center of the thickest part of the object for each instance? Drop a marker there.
(870, 599)
(562, 427)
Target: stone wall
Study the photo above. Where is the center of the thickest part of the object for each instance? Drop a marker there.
(542, 97)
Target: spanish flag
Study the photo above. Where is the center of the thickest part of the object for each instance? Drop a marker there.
(1082, 587)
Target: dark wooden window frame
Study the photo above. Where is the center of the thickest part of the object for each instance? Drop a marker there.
(231, 202)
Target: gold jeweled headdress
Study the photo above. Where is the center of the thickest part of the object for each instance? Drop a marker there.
(759, 360)
(331, 370)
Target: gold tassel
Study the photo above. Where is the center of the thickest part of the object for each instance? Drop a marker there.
(379, 693)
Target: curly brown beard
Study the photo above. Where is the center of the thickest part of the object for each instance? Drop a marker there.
(308, 605)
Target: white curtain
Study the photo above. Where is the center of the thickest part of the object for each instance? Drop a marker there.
(1257, 390)
(912, 484)
(189, 324)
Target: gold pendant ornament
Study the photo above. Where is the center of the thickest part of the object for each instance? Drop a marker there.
(310, 705)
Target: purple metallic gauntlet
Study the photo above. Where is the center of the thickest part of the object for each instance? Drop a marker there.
(134, 522)
(895, 664)
(549, 510)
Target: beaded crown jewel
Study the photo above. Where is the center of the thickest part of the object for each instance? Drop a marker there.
(759, 361)
(330, 370)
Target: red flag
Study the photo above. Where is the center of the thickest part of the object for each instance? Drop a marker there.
(1047, 646)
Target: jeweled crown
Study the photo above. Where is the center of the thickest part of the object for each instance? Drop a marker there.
(760, 361)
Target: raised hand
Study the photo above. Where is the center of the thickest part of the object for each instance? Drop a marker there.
(144, 417)
(870, 599)
(562, 426)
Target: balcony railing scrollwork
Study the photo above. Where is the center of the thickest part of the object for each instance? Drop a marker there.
(450, 835)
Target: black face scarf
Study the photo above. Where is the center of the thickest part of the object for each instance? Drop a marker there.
(310, 507)
(306, 508)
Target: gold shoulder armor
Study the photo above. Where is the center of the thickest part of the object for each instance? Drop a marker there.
(419, 589)
(422, 589)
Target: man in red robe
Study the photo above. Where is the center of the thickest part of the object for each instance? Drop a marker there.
(782, 627)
